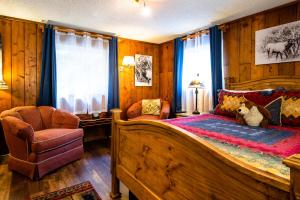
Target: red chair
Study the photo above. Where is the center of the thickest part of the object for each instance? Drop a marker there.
(134, 112)
(41, 139)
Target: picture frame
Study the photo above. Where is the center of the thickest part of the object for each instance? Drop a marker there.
(143, 70)
(278, 44)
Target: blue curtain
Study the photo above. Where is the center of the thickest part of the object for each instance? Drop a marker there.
(177, 79)
(113, 88)
(216, 61)
(48, 76)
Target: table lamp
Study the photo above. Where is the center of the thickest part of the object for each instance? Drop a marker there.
(196, 84)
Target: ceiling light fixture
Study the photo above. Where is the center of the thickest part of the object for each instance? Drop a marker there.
(146, 11)
(135, 1)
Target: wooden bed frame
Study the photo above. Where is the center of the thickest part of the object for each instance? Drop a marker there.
(156, 160)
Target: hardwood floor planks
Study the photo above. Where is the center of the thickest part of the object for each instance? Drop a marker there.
(94, 167)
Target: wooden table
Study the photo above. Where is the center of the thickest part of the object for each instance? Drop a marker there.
(91, 124)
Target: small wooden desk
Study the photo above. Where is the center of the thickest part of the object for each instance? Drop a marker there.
(87, 124)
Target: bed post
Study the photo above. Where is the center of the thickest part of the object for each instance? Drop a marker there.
(294, 163)
(115, 183)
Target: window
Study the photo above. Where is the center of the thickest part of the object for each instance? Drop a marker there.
(82, 73)
(196, 60)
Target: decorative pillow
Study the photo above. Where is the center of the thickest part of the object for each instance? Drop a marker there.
(274, 108)
(228, 104)
(259, 97)
(223, 107)
(151, 106)
(291, 110)
(263, 97)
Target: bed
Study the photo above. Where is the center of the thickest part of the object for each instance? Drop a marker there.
(184, 159)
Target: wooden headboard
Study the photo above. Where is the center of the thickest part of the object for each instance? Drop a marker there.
(287, 82)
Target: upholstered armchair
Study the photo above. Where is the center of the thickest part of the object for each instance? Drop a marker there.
(134, 112)
(41, 139)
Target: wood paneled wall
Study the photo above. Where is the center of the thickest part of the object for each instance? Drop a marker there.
(128, 92)
(239, 45)
(22, 43)
(166, 70)
(22, 47)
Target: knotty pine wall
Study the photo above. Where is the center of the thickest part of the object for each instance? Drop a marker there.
(130, 94)
(22, 58)
(22, 42)
(239, 45)
(166, 70)
(22, 47)
(239, 49)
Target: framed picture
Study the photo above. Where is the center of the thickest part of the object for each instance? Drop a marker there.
(143, 70)
(278, 44)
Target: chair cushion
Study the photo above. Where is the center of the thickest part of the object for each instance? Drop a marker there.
(38, 157)
(145, 117)
(49, 139)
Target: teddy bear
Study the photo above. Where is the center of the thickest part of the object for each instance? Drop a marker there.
(252, 114)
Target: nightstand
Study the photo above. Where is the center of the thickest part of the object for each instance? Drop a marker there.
(90, 128)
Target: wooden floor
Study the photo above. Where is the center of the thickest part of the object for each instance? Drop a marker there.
(94, 167)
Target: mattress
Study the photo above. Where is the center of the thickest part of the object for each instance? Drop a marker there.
(259, 147)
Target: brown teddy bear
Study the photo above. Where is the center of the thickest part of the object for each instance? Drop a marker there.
(252, 114)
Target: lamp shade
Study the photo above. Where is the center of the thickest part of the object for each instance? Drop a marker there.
(128, 61)
(3, 85)
(196, 84)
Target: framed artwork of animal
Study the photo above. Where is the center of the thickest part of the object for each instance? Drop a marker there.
(278, 44)
(143, 70)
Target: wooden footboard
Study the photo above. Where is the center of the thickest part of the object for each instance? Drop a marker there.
(294, 163)
(160, 161)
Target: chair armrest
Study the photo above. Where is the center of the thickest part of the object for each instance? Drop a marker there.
(165, 110)
(17, 127)
(61, 119)
(134, 110)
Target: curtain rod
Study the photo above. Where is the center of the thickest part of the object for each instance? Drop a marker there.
(78, 32)
(206, 31)
(223, 27)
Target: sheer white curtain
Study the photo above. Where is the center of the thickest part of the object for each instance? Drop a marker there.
(196, 60)
(82, 73)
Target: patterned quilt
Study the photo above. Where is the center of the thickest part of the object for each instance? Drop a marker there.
(260, 147)
(276, 140)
